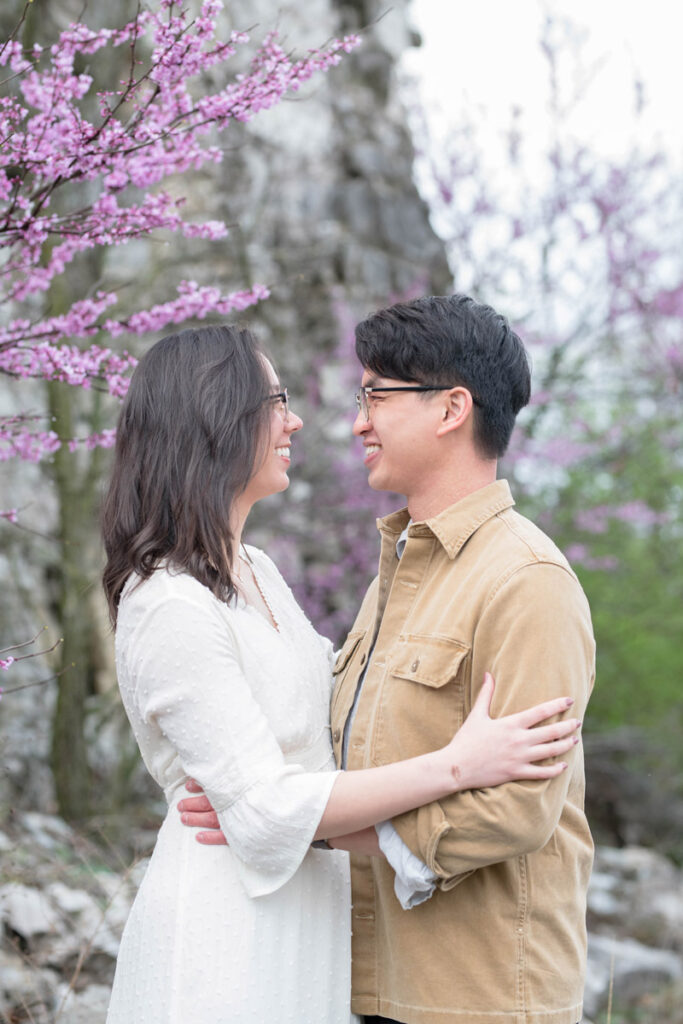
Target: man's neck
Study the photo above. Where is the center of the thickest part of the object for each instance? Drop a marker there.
(447, 491)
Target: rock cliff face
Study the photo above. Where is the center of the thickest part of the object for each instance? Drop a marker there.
(320, 200)
(318, 191)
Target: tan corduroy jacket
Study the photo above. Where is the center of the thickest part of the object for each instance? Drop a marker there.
(502, 940)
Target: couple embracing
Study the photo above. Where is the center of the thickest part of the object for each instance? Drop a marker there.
(459, 799)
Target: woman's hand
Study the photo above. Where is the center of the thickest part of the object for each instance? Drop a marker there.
(488, 751)
(197, 812)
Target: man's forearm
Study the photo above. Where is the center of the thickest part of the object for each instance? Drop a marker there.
(365, 842)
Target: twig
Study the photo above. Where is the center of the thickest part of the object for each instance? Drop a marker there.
(610, 991)
(37, 682)
(36, 654)
(26, 643)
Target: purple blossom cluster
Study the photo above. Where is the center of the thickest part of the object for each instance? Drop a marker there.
(158, 123)
(19, 438)
(580, 555)
(583, 254)
(634, 513)
(105, 439)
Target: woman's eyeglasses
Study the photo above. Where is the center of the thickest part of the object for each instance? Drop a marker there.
(281, 400)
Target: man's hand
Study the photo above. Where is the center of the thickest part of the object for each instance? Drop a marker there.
(197, 812)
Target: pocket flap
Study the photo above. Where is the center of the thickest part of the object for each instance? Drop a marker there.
(429, 660)
(344, 656)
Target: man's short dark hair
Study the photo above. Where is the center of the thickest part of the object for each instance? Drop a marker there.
(453, 340)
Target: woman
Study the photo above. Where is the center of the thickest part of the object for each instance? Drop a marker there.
(225, 680)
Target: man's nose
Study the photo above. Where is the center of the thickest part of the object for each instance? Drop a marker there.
(360, 424)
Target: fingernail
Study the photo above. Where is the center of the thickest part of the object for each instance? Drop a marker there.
(183, 818)
(575, 739)
(569, 702)
(563, 765)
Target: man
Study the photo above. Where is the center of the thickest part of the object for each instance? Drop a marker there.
(477, 587)
(495, 879)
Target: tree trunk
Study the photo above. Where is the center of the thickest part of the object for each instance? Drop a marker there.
(75, 495)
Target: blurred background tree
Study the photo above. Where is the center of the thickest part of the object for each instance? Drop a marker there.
(583, 252)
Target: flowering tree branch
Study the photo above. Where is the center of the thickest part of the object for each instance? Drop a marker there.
(583, 252)
(6, 663)
(155, 125)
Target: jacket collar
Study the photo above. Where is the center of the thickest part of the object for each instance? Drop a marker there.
(456, 524)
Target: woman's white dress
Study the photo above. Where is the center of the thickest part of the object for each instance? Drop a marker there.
(258, 931)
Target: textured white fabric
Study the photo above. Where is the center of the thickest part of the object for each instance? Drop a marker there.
(258, 931)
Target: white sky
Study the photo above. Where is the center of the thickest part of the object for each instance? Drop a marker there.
(486, 53)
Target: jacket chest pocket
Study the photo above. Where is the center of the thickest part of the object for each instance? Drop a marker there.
(422, 702)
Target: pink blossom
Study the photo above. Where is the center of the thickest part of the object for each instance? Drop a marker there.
(563, 452)
(194, 301)
(634, 513)
(105, 439)
(23, 444)
(579, 554)
(149, 128)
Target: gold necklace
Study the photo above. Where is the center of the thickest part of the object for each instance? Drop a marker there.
(248, 564)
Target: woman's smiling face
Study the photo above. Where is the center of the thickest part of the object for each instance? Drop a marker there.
(271, 475)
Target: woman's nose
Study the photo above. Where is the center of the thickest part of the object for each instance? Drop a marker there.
(293, 422)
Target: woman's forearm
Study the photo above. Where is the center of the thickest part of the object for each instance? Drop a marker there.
(362, 798)
(484, 752)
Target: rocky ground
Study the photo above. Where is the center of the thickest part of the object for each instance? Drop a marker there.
(64, 900)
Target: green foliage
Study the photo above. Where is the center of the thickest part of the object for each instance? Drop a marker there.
(637, 619)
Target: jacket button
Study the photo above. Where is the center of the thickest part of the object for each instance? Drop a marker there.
(416, 664)
(336, 734)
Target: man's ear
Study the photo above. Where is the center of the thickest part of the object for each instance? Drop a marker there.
(456, 410)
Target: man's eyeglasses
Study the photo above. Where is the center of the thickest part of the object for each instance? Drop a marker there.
(281, 398)
(363, 394)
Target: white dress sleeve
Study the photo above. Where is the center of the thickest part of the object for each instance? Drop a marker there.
(187, 682)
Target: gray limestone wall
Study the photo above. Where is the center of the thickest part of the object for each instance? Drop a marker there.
(319, 197)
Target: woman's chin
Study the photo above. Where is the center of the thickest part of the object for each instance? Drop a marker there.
(276, 488)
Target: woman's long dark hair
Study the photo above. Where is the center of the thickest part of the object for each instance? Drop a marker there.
(191, 431)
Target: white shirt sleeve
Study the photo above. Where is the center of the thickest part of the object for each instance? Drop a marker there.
(414, 882)
(181, 660)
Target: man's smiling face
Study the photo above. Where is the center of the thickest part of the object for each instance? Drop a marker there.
(399, 437)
